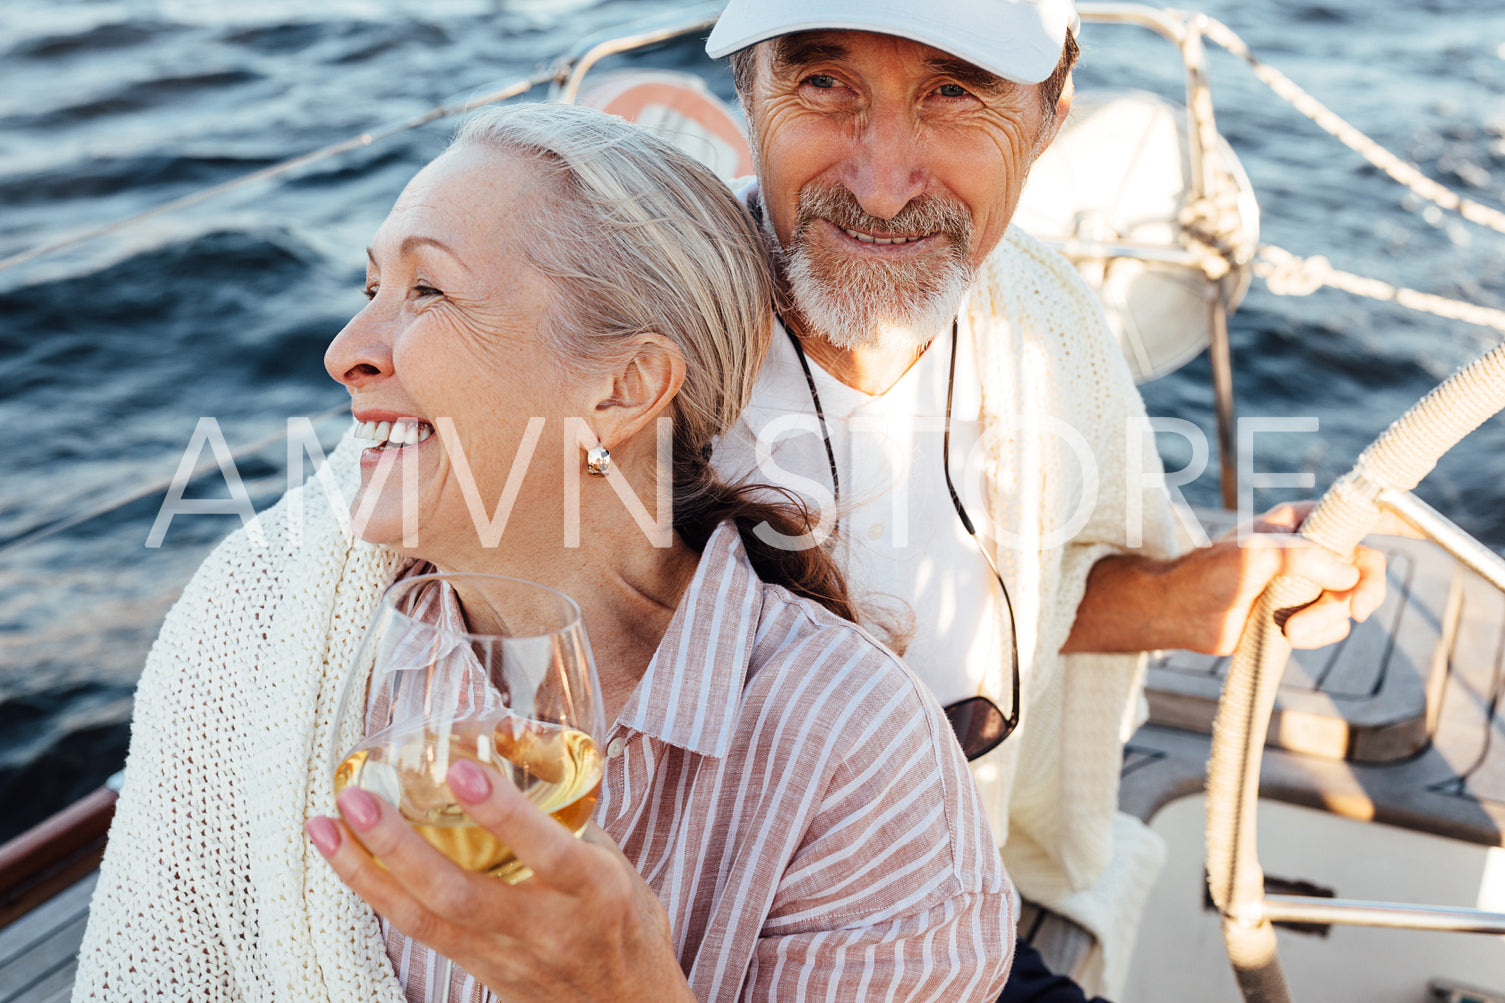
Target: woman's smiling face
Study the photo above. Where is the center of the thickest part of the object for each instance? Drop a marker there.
(447, 365)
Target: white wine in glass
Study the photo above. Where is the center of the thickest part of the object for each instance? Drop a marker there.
(558, 768)
(465, 666)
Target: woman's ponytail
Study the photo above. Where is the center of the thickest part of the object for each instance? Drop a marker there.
(702, 501)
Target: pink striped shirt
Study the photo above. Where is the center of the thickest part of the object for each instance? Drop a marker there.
(798, 803)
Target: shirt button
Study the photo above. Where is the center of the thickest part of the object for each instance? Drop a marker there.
(875, 531)
(614, 747)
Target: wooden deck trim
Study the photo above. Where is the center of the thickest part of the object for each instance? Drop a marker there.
(50, 857)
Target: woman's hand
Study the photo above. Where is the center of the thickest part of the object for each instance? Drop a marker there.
(585, 926)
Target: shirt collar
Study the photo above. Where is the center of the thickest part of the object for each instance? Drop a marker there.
(690, 695)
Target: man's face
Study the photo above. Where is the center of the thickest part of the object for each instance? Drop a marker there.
(888, 170)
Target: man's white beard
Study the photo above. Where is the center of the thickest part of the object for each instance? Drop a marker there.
(862, 303)
(870, 304)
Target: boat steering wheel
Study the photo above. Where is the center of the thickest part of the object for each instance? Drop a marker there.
(1395, 463)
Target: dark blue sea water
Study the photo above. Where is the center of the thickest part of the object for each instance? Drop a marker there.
(110, 353)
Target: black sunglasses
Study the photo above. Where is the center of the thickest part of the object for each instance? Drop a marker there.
(979, 724)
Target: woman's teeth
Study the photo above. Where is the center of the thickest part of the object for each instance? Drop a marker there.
(394, 433)
(868, 238)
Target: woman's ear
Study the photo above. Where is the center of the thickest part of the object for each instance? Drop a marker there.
(640, 388)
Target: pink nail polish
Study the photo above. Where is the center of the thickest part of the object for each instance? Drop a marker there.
(324, 835)
(468, 781)
(359, 808)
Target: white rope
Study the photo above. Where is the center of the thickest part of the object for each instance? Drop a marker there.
(1287, 274)
(1330, 122)
(288, 166)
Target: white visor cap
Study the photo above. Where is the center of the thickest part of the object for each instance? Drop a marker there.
(1019, 40)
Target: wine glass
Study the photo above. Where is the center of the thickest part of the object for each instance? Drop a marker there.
(470, 666)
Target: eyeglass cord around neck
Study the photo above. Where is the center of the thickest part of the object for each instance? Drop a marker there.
(1012, 721)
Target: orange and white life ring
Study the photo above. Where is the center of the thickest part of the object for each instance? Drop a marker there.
(677, 107)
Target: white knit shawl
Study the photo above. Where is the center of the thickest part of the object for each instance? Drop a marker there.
(1058, 405)
(209, 890)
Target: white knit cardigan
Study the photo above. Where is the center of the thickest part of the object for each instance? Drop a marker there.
(209, 890)
(1058, 405)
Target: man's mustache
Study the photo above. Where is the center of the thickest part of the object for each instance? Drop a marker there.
(923, 214)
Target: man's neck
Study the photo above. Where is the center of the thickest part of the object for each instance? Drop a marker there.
(870, 369)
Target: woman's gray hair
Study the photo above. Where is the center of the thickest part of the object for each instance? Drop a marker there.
(635, 237)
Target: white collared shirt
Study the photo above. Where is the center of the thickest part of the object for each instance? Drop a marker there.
(901, 542)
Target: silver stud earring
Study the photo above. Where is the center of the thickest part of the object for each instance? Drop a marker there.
(597, 461)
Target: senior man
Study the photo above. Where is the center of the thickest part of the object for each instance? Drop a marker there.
(945, 394)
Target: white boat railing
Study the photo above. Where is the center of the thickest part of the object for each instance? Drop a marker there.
(1201, 244)
(1352, 912)
(584, 57)
(1447, 534)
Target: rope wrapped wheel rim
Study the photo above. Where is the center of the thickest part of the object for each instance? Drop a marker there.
(1397, 460)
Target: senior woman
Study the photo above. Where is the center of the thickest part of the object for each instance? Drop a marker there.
(793, 815)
